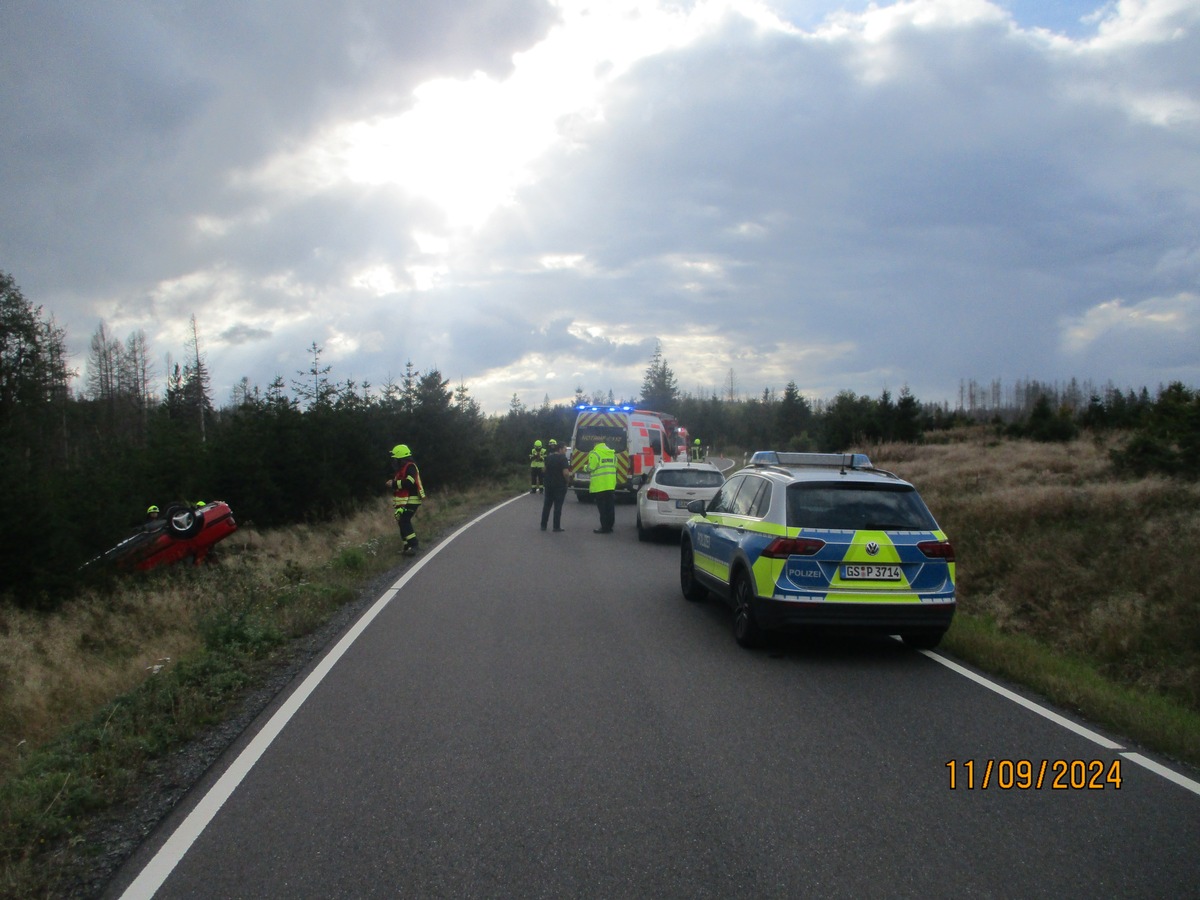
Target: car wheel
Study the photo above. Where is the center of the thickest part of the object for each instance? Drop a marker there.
(643, 534)
(923, 641)
(746, 630)
(692, 589)
(183, 522)
(583, 496)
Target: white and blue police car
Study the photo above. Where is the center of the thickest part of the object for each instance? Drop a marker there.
(824, 541)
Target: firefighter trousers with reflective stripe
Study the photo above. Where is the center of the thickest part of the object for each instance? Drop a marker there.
(404, 519)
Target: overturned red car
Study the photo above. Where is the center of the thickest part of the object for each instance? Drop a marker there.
(184, 532)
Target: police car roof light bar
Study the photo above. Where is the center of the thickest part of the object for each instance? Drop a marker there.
(824, 460)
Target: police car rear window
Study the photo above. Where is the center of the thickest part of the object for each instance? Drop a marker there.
(693, 478)
(872, 507)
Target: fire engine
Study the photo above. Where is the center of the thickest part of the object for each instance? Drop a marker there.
(641, 438)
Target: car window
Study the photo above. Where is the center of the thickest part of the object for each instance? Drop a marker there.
(722, 502)
(847, 505)
(744, 501)
(762, 500)
(692, 478)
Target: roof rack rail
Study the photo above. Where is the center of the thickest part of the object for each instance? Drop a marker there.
(824, 460)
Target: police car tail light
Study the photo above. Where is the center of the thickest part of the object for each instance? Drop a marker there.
(782, 548)
(937, 550)
(656, 494)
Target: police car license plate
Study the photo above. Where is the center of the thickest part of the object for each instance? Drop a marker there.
(870, 572)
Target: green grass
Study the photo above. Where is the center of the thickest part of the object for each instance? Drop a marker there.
(1155, 721)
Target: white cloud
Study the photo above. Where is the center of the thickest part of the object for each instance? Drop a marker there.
(467, 145)
(1163, 321)
(1138, 23)
(1156, 337)
(851, 196)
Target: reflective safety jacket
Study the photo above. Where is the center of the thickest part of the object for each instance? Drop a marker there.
(407, 490)
(537, 458)
(602, 464)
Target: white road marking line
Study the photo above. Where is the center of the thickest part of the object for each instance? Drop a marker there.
(1169, 774)
(1028, 704)
(168, 856)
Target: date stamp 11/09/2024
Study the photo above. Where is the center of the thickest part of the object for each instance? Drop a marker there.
(1035, 775)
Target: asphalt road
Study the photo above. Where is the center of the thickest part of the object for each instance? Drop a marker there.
(542, 715)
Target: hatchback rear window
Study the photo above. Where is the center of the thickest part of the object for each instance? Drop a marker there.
(692, 478)
(842, 505)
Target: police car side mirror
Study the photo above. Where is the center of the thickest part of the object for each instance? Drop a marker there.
(696, 507)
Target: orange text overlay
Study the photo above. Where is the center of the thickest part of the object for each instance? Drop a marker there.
(1033, 774)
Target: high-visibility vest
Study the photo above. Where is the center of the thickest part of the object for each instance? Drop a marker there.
(602, 464)
(407, 489)
(537, 458)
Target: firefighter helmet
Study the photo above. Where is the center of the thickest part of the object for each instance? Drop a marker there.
(151, 509)
(537, 443)
(401, 451)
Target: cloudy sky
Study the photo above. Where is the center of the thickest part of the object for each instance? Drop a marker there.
(528, 194)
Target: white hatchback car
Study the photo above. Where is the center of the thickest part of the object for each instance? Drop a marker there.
(662, 501)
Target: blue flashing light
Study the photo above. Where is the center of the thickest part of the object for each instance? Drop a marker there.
(583, 407)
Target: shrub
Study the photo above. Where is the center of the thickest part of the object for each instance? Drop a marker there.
(1169, 440)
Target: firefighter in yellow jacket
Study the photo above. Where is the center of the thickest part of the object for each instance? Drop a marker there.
(602, 465)
(407, 494)
(537, 468)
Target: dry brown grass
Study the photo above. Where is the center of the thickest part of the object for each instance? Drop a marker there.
(1051, 544)
(58, 668)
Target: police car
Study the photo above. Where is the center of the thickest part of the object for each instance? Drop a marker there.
(822, 540)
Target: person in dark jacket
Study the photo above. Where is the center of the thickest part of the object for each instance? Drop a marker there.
(556, 481)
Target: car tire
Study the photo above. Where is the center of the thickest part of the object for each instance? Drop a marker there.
(923, 641)
(583, 496)
(746, 630)
(643, 534)
(693, 590)
(183, 522)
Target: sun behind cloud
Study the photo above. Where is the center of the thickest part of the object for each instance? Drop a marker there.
(467, 145)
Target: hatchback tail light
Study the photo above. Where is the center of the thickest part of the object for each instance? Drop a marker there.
(657, 494)
(782, 548)
(937, 550)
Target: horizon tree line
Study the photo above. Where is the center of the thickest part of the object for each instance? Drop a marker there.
(79, 468)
